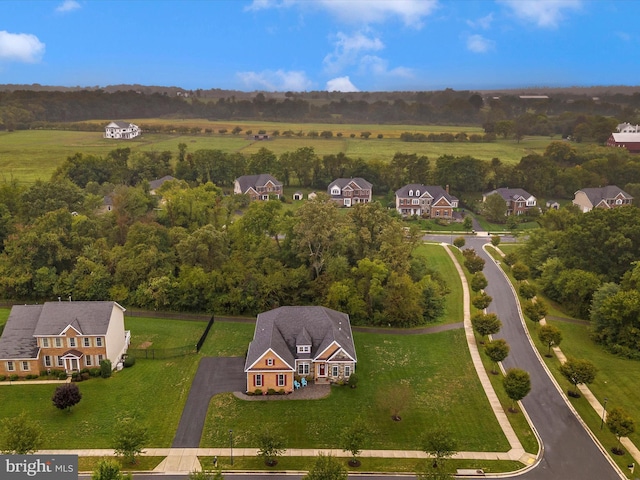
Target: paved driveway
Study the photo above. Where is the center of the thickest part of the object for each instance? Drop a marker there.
(214, 375)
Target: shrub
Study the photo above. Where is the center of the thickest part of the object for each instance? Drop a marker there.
(31, 376)
(257, 391)
(94, 372)
(62, 375)
(271, 391)
(353, 380)
(13, 377)
(85, 376)
(3, 378)
(75, 377)
(105, 368)
(129, 361)
(44, 373)
(281, 392)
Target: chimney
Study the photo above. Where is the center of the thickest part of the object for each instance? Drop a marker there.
(446, 188)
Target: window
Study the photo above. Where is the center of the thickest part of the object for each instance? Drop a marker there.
(98, 341)
(45, 342)
(86, 341)
(88, 361)
(72, 342)
(60, 362)
(10, 366)
(415, 201)
(417, 193)
(58, 342)
(257, 380)
(411, 193)
(347, 370)
(47, 361)
(304, 348)
(334, 371)
(303, 369)
(335, 191)
(25, 366)
(269, 362)
(100, 358)
(281, 380)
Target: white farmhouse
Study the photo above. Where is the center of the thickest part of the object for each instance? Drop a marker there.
(122, 130)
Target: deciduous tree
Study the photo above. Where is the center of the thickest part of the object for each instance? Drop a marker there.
(20, 435)
(551, 336)
(129, 438)
(486, 324)
(440, 444)
(517, 385)
(66, 396)
(578, 372)
(270, 446)
(621, 424)
(497, 351)
(326, 467)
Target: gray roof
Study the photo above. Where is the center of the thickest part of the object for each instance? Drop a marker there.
(155, 184)
(17, 339)
(122, 124)
(510, 193)
(598, 194)
(281, 328)
(252, 181)
(343, 182)
(434, 191)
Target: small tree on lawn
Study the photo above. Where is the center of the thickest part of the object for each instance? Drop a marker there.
(66, 396)
(535, 311)
(459, 242)
(20, 435)
(129, 437)
(270, 446)
(326, 467)
(478, 282)
(578, 371)
(510, 258)
(467, 223)
(394, 399)
(481, 301)
(486, 324)
(108, 470)
(550, 336)
(620, 423)
(495, 240)
(527, 290)
(497, 351)
(517, 385)
(440, 444)
(520, 271)
(472, 262)
(353, 439)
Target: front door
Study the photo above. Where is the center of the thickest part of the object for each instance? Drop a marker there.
(322, 370)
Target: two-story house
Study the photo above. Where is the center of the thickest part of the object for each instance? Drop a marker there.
(258, 187)
(350, 191)
(610, 196)
(309, 342)
(65, 336)
(430, 201)
(518, 200)
(121, 130)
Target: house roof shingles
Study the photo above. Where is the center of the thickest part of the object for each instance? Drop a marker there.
(434, 191)
(281, 330)
(343, 182)
(89, 318)
(598, 194)
(510, 193)
(17, 339)
(251, 181)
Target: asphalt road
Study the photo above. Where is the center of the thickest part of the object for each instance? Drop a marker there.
(214, 375)
(569, 451)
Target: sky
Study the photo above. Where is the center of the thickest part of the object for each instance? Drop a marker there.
(334, 45)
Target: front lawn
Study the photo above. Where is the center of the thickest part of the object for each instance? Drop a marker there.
(444, 391)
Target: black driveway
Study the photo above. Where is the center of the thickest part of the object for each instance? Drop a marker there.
(569, 451)
(214, 375)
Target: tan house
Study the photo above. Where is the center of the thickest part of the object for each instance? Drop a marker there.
(350, 191)
(425, 201)
(518, 201)
(258, 187)
(65, 336)
(610, 196)
(314, 343)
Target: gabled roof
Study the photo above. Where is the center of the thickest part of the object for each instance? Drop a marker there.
(281, 328)
(627, 137)
(155, 184)
(434, 191)
(247, 182)
(510, 194)
(119, 124)
(343, 182)
(598, 194)
(17, 339)
(89, 318)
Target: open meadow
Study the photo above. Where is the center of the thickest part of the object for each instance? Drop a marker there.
(28, 155)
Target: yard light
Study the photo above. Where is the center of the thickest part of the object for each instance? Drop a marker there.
(604, 412)
(231, 444)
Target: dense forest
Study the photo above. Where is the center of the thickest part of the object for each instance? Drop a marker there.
(581, 116)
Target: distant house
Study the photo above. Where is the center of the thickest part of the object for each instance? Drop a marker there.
(518, 200)
(121, 130)
(156, 184)
(610, 196)
(425, 201)
(628, 140)
(67, 336)
(552, 205)
(258, 187)
(627, 128)
(312, 196)
(298, 195)
(315, 343)
(107, 204)
(350, 191)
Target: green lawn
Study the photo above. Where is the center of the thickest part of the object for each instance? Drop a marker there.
(438, 369)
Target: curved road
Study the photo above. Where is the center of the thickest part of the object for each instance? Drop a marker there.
(569, 451)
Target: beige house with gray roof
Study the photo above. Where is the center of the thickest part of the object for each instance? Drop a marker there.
(65, 336)
(315, 343)
(610, 196)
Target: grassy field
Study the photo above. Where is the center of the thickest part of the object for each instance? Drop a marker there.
(28, 155)
(438, 370)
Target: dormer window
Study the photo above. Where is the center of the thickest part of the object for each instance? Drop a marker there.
(417, 193)
(411, 193)
(304, 348)
(335, 191)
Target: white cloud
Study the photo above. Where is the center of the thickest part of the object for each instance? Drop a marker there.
(479, 44)
(543, 13)
(410, 12)
(341, 84)
(374, 65)
(276, 80)
(484, 23)
(67, 6)
(348, 49)
(623, 36)
(20, 47)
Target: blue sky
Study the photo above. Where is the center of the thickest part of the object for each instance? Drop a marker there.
(302, 45)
